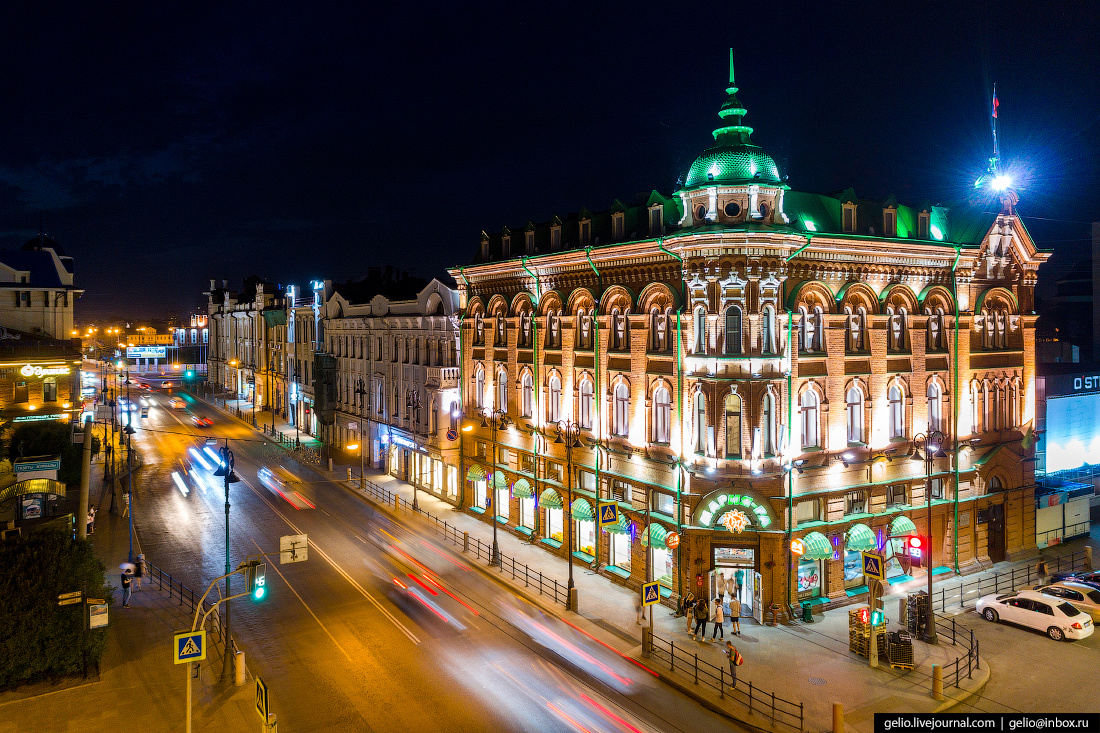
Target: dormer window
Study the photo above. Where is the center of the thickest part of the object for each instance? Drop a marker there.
(555, 237)
(890, 223)
(656, 221)
(849, 217)
(529, 242)
(618, 222)
(484, 249)
(923, 221)
(764, 210)
(586, 232)
(700, 213)
(506, 246)
(733, 209)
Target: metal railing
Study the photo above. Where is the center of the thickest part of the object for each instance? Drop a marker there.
(969, 591)
(953, 672)
(482, 550)
(187, 597)
(718, 679)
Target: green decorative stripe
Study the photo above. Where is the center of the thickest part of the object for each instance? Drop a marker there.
(903, 527)
(551, 499)
(620, 527)
(476, 473)
(522, 489)
(817, 547)
(497, 481)
(582, 511)
(657, 533)
(860, 538)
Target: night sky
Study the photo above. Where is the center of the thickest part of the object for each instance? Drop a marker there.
(162, 147)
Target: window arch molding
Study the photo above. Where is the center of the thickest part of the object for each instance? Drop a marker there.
(659, 411)
(620, 407)
(811, 416)
(586, 401)
(857, 415)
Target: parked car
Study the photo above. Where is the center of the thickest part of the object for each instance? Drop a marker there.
(201, 422)
(1088, 578)
(1081, 596)
(176, 403)
(1035, 610)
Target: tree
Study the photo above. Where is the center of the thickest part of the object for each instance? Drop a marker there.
(48, 439)
(38, 639)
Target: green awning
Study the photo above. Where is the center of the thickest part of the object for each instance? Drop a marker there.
(903, 527)
(583, 511)
(497, 480)
(521, 489)
(658, 533)
(620, 527)
(817, 547)
(476, 473)
(551, 499)
(860, 538)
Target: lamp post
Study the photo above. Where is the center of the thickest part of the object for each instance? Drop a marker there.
(363, 394)
(569, 434)
(297, 395)
(225, 470)
(494, 418)
(252, 380)
(128, 431)
(412, 406)
(932, 445)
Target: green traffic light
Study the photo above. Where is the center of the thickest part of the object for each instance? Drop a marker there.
(259, 593)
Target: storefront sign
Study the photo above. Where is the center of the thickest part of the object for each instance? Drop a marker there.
(798, 548)
(30, 370)
(672, 540)
(404, 442)
(30, 466)
(37, 418)
(756, 513)
(734, 521)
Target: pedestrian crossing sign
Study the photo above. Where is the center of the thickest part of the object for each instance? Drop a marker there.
(609, 513)
(651, 593)
(873, 566)
(190, 646)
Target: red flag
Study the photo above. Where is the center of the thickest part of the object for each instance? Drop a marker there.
(995, 102)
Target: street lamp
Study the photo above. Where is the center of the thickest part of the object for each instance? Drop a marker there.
(495, 418)
(412, 404)
(252, 379)
(569, 434)
(225, 470)
(363, 394)
(932, 445)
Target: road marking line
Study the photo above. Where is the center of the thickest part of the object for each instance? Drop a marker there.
(311, 613)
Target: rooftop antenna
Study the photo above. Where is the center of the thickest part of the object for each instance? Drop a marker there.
(994, 162)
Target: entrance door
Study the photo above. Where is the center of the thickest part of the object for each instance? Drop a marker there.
(995, 533)
(757, 596)
(733, 577)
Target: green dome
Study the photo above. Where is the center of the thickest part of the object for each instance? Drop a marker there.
(733, 158)
(744, 163)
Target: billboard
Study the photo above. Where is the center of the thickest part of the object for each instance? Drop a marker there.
(147, 352)
(1073, 431)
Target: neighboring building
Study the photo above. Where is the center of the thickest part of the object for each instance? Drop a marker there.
(748, 365)
(1063, 336)
(394, 342)
(41, 292)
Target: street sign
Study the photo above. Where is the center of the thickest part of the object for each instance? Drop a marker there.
(97, 616)
(609, 513)
(74, 594)
(651, 593)
(452, 434)
(293, 548)
(189, 646)
(69, 601)
(95, 601)
(873, 566)
(261, 698)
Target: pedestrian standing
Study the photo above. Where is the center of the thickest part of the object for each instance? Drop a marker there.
(91, 520)
(639, 609)
(735, 616)
(686, 609)
(1041, 571)
(736, 660)
(127, 579)
(739, 577)
(139, 572)
(701, 614)
(719, 620)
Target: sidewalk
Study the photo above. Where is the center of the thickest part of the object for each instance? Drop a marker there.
(137, 686)
(810, 663)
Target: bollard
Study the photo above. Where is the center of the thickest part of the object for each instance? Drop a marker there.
(937, 682)
(396, 503)
(238, 669)
(465, 541)
(647, 641)
(838, 717)
(1088, 558)
(349, 475)
(573, 599)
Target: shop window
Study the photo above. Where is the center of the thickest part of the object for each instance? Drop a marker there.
(662, 565)
(502, 506)
(479, 494)
(619, 550)
(586, 537)
(49, 389)
(527, 512)
(855, 502)
(809, 579)
(555, 524)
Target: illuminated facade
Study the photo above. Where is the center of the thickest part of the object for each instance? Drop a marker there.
(748, 365)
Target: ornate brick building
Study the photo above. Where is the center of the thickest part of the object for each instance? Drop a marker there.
(748, 365)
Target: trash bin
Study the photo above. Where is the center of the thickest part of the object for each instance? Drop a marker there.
(807, 612)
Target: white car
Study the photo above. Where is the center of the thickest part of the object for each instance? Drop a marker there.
(1032, 609)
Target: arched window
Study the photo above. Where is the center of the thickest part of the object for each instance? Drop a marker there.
(767, 330)
(527, 388)
(733, 330)
(854, 402)
(897, 412)
(987, 333)
(733, 425)
(810, 420)
(818, 330)
(553, 404)
(502, 389)
(1002, 328)
(525, 329)
(479, 332)
(855, 329)
(700, 423)
(700, 327)
(479, 387)
(621, 424)
(586, 399)
(935, 330)
(975, 408)
(618, 329)
(502, 339)
(553, 330)
(896, 338)
(768, 424)
(657, 329)
(935, 409)
(662, 416)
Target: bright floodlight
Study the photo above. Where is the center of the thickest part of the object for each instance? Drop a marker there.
(1000, 183)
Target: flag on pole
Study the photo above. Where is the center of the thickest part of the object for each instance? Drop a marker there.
(995, 102)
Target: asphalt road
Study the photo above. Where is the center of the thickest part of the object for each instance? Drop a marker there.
(382, 628)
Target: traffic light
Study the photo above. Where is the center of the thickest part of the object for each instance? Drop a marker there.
(189, 374)
(257, 578)
(916, 548)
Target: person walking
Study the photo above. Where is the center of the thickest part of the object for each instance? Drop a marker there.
(1041, 571)
(127, 579)
(735, 616)
(736, 660)
(639, 609)
(91, 520)
(701, 614)
(687, 608)
(139, 572)
(719, 620)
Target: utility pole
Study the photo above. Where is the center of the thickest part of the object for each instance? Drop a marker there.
(85, 478)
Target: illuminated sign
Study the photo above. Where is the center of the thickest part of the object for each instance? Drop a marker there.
(735, 521)
(756, 513)
(404, 442)
(37, 418)
(798, 548)
(38, 371)
(147, 352)
(672, 540)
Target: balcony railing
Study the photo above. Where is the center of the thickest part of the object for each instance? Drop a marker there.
(443, 377)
